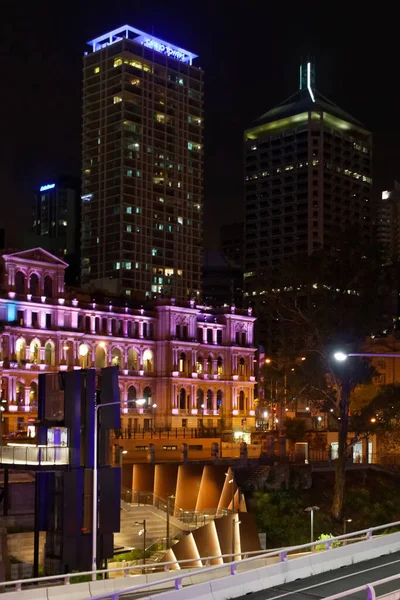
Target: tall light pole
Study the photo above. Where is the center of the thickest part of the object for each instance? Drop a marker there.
(95, 486)
(143, 533)
(311, 509)
(231, 481)
(168, 508)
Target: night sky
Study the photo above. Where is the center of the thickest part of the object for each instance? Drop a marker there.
(250, 57)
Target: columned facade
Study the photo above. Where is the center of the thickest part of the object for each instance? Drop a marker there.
(180, 366)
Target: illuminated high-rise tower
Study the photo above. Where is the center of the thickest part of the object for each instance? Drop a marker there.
(307, 177)
(142, 171)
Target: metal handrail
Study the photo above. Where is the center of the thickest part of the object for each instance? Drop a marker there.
(369, 587)
(282, 553)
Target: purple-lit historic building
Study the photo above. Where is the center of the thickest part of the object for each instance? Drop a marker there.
(180, 366)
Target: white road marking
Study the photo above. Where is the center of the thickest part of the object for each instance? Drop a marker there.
(310, 587)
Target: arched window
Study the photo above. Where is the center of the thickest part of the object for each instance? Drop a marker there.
(219, 365)
(19, 391)
(20, 348)
(84, 356)
(200, 399)
(34, 285)
(100, 358)
(116, 358)
(210, 397)
(182, 399)
(49, 353)
(219, 399)
(241, 400)
(19, 282)
(182, 362)
(33, 394)
(199, 364)
(132, 396)
(48, 287)
(34, 350)
(148, 361)
(209, 365)
(241, 366)
(132, 360)
(147, 395)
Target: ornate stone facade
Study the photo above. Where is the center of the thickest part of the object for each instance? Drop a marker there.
(180, 366)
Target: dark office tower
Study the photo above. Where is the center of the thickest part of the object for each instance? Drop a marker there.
(142, 166)
(388, 224)
(56, 215)
(56, 223)
(308, 177)
(232, 242)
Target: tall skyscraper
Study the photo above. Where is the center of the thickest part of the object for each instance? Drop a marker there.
(56, 215)
(56, 222)
(388, 224)
(307, 176)
(142, 166)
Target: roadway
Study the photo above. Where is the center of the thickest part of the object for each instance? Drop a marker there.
(334, 582)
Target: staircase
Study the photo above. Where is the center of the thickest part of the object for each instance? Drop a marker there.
(156, 526)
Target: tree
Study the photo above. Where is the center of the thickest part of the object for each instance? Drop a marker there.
(381, 414)
(295, 429)
(328, 301)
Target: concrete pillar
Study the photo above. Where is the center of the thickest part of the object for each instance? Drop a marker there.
(27, 391)
(234, 398)
(125, 328)
(28, 317)
(214, 336)
(42, 354)
(141, 329)
(204, 335)
(92, 324)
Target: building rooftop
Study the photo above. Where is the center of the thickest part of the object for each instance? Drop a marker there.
(306, 99)
(143, 39)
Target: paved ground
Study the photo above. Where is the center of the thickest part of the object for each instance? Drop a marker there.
(334, 582)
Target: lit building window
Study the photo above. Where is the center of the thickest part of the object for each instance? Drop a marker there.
(129, 228)
(154, 252)
(117, 62)
(97, 69)
(129, 172)
(116, 265)
(129, 210)
(127, 265)
(117, 99)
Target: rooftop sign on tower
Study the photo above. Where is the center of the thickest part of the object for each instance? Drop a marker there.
(144, 39)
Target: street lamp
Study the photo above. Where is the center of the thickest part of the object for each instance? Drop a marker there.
(340, 356)
(344, 524)
(168, 509)
(95, 485)
(143, 533)
(311, 509)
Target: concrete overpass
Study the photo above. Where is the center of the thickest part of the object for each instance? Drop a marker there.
(294, 573)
